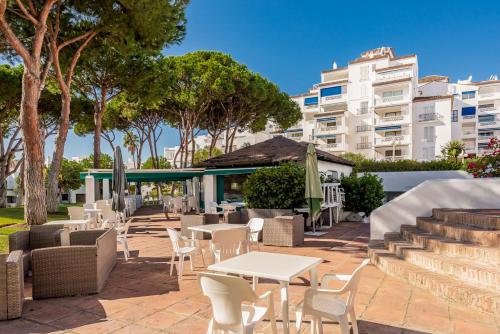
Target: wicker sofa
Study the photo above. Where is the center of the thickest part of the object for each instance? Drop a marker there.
(195, 220)
(243, 216)
(38, 236)
(11, 285)
(78, 269)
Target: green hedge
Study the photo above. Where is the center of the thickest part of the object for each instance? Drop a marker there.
(281, 187)
(362, 194)
(406, 165)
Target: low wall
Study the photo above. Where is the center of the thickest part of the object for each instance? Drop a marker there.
(420, 200)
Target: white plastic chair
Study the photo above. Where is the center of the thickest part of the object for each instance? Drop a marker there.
(255, 225)
(121, 237)
(90, 206)
(226, 244)
(108, 217)
(76, 213)
(229, 314)
(177, 204)
(167, 203)
(189, 248)
(325, 303)
(211, 207)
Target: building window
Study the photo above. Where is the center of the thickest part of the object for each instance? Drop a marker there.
(392, 133)
(363, 107)
(329, 124)
(429, 109)
(428, 153)
(364, 91)
(364, 73)
(429, 134)
(392, 93)
(468, 95)
(331, 141)
(397, 153)
(454, 115)
(468, 112)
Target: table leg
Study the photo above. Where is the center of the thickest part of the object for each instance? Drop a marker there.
(313, 277)
(255, 283)
(284, 306)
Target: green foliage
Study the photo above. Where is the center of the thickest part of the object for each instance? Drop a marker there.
(204, 154)
(362, 194)
(453, 149)
(105, 163)
(406, 165)
(69, 178)
(281, 187)
(354, 157)
(163, 163)
(487, 165)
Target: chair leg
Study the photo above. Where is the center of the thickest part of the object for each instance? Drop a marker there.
(202, 257)
(313, 325)
(272, 319)
(344, 325)
(181, 266)
(354, 322)
(125, 249)
(191, 261)
(172, 264)
(298, 319)
(210, 329)
(319, 325)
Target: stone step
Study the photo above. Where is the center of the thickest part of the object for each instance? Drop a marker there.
(439, 285)
(483, 276)
(488, 219)
(451, 247)
(459, 232)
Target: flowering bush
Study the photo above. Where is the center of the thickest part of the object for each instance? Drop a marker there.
(489, 164)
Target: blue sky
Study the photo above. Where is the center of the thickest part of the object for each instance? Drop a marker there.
(290, 42)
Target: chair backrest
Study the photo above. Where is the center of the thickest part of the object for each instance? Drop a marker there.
(211, 207)
(101, 204)
(90, 206)
(177, 201)
(122, 229)
(108, 214)
(76, 212)
(351, 286)
(226, 294)
(174, 236)
(256, 224)
(230, 243)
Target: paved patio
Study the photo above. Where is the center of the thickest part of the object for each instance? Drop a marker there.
(141, 296)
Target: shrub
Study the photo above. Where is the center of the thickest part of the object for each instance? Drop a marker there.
(362, 194)
(488, 165)
(281, 187)
(407, 165)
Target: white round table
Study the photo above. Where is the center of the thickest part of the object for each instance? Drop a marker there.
(78, 224)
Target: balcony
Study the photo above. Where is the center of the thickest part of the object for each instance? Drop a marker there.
(396, 157)
(468, 133)
(489, 96)
(363, 128)
(398, 119)
(332, 99)
(488, 123)
(332, 147)
(381, 78)
(486, 108)
(397, 99)
(429, 117)
(392, 140)
(331, 129)
(363, 146)
(362, 111)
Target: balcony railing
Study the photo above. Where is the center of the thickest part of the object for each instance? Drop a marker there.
(429, 117)
(324, 129)
(395, 157)
(492, 95)
(389, 119)
(390, 99)
(392, 77)
(363, 128)
(333, 98)
(363, 146)
(362, 111)
(396, 140)
(485, 109)
(332, 146)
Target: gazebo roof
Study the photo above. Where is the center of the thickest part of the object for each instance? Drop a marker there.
(270, 152)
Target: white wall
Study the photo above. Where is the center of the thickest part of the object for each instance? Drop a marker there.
(324, 166)
(419, 202)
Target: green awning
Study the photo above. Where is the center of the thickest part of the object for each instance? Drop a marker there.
(160, 175)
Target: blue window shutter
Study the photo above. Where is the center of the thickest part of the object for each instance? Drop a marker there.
(468, 111)
(309, 101)
(337, 90)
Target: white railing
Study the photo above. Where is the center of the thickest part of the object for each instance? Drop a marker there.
(362, 111)
(390, 99)
(395, 157)
(363, 146)
(324, 129)
(420, 200)
(363, 128)
(333, 98)
(428, 117)
(401, 139)
(389, 119)
(485, 109)
(392, 77)
(489, 95)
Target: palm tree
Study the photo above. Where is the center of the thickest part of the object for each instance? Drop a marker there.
(130, 141)
(453, 149)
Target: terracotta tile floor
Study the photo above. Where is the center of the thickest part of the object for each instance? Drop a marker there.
(141, 297)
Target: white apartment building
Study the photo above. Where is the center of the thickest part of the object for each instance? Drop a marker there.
(378, 106)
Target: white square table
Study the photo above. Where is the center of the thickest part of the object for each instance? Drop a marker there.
(281, 267)
(78, 224)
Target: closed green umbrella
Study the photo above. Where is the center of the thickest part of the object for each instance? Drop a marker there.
(314, 193)
(118, 182)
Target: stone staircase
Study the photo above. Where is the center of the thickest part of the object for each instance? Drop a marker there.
(455, 254)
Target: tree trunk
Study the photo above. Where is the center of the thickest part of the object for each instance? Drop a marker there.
(35, 212)
(3, 186)
(97, 136)
(55, 166)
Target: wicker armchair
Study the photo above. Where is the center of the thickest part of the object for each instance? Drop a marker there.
(244, 216)
(11, 285)
(284, 231)
(79, 269)
(195, 220)
(38, 236)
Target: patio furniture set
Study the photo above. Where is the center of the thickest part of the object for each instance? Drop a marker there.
(230, 251)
